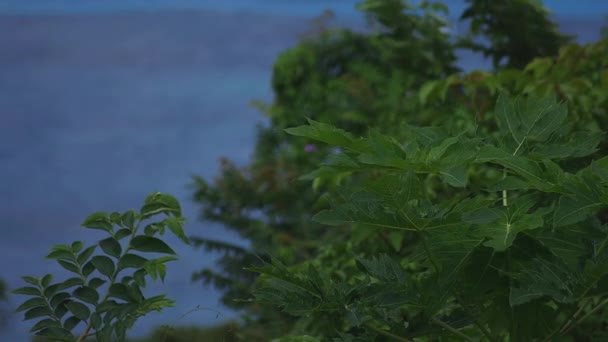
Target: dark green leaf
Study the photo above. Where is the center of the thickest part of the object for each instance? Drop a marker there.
(120, 291)
(77, 246)
(59, 298)
(45, 323)
(96, 282)
(57, 334)
(150, 244)
(88, 268)
(69, 266)
(46, 280)
(38, 311)
(86, 254)
(111, 247)
(86, 294)
(27, 290)
(51, 290)
(128, 219)
(71, 282)
(104, 264)
(140, 277)
(96, 321)
(71, 322)
(79, 310)
(122, 233)
(131, 260)
(31, 280)
(31, 303)
(60, 255)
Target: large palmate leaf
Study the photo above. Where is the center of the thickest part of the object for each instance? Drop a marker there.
(389, 202)
(585, 196)
(501, 225)
(529, 120)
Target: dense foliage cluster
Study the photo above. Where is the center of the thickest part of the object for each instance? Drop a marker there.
(104, 297)
(403, 70)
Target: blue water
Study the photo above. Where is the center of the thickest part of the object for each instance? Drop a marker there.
(102, 103)
(279, 7)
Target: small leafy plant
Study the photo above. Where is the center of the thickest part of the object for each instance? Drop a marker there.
(121, 270)
(470, 235)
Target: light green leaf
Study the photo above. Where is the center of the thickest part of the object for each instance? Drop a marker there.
(98, 220)
(176, 227)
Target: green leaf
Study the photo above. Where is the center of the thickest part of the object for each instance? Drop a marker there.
(585, 198)
(77, 246)
(150, 244)
(329, 135)
(128, 219)
(27, 290)
(57, 334)
(131, 261)
(160, 203)
(115, 218)
(382, 268)
(99, 220)
(386, 203)
(45, 323)
(39, 311)
(60, 310)
(104, 264)
(71, 282)
(60, 255)
(86, 294)
(96, 282)
(86, 254)
(88, 268)
(96, 321)
(120, 291)
(51, 290)
(59, 298)
(531, 120)
(71, 322)
(31, 280)
(501, 225)
(46, 280)
(69, 266)
(140, 277)
(176, 227)
(31, 303)
(111, 247)
(122, 233)
(79, 310)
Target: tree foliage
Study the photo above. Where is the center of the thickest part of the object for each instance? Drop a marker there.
(402, 69)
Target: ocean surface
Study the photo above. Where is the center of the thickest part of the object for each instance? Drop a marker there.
(103, 102)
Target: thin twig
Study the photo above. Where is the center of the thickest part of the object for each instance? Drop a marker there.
(388, 334)
(450, 329)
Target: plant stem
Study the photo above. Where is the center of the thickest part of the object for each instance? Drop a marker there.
(578, 321)
(388, 334)
(451, 329)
